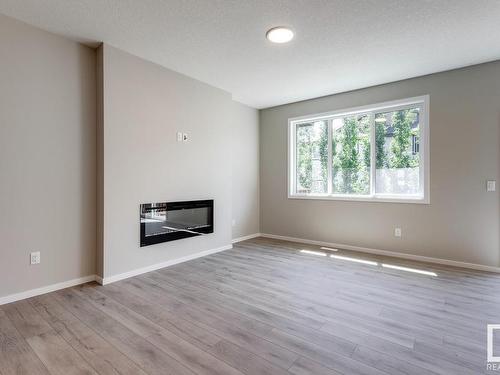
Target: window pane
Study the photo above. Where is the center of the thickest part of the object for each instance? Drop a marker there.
(351, 155)
(312, 157)
(397, 142)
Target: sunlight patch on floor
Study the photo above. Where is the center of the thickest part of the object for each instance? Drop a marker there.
(356, 260)
(414, 270)
(368, 262)
(310, 252)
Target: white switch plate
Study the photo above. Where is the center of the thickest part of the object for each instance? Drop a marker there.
(397, 232)
(179, 136)
(490, 185)
(35, 257)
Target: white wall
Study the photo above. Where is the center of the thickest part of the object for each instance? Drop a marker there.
(245, 168)
(461, 223)
(144, 106)
(47, 158)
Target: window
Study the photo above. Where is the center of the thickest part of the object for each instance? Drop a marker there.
(312, 157)
(372, 153)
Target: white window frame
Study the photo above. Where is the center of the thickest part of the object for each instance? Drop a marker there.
(424, 195)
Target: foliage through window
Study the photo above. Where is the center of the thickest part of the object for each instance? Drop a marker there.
(369, 153)
(312, 157)
(351, 155)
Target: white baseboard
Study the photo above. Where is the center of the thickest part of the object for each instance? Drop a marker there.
(107, 280)
(45, 289)
(420, 258)
(157, 266)
(244, 238)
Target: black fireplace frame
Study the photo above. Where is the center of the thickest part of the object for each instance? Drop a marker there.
(172, 206)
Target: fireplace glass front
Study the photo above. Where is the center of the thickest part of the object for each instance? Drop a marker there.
(169, 221)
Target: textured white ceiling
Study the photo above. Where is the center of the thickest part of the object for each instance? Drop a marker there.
(340, 45)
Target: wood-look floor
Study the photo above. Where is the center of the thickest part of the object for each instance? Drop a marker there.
(261, 308)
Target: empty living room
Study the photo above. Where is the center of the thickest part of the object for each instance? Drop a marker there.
(249, 187)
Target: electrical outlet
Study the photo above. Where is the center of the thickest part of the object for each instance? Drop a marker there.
(397, 232)
(490, 185)
(179, 136)
(35, 257)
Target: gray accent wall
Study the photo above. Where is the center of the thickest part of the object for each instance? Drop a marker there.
(144, 106)
(47, 158)
(461, 222)
(86, 136)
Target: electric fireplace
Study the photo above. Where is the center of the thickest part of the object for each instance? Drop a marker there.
(169, 221)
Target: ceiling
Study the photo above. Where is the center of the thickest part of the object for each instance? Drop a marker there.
(340, 45)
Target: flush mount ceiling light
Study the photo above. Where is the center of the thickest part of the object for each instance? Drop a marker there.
(279, 34)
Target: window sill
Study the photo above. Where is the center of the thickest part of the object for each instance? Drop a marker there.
(377, 198)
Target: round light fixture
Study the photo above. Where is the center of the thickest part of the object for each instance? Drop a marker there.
(279, 34)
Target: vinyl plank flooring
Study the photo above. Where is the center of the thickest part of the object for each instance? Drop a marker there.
(103, 357)
(268, 282)
(463, 359)
(192, 357)
(16, 356)
(135, 322)
(58, 356)
(149, 357)
(27, 321)
(236, 356)
(327, 358)
(399, 337)
(390, 364)
(420, 323)
(312, 341)
(184, 352)
(401, 358)
(231, 326)
(304, 366)
(162, 317)
(54, 352)
(464, 346)
(244, 360)
(273, 311)
(261, 308)
(311, 314)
